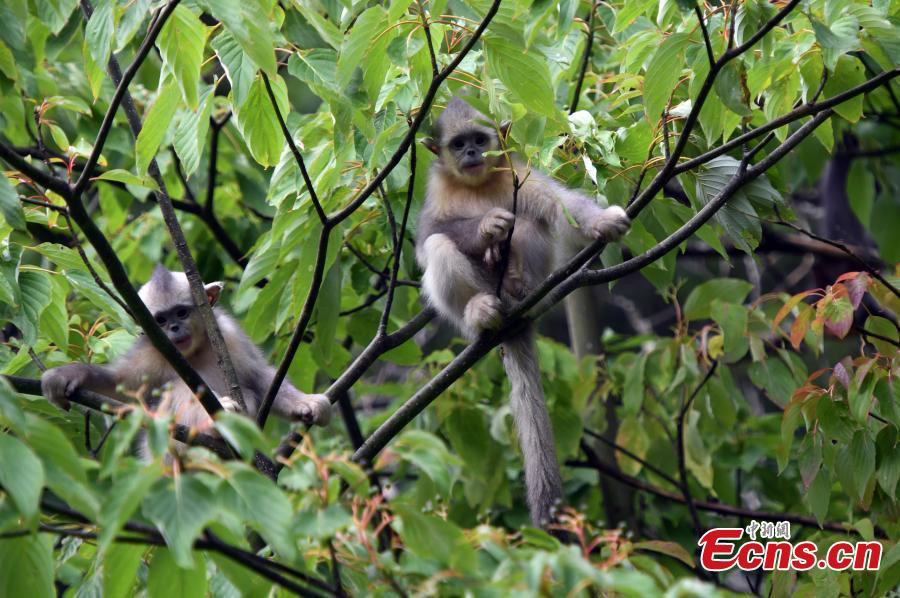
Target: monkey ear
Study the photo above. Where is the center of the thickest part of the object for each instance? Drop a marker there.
(432, 145)
(213, 290)
(504, 128)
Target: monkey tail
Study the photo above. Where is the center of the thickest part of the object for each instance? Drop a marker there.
(542, 479)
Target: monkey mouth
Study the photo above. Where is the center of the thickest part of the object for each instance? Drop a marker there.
(182, 342)
(472, 167)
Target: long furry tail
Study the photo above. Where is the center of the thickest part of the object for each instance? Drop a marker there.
(529, 409)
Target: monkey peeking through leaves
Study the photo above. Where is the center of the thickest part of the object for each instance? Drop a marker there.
(167, 296)
(463, 226)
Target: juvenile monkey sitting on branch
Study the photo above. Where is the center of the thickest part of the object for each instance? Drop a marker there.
(464, 225)
(142, 369)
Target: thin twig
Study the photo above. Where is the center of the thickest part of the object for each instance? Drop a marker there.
(849, 252)
(297, 155)
(585, 59)
(398, 245)
(706, 42)
(643, 462)
(594, 462)
(427, 30)
(90, 267)
(682, 459)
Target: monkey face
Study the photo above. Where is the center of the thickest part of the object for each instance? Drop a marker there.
(464, 152)
(179, 324)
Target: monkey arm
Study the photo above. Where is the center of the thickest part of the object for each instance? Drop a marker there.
(464, 232)
(58, 384)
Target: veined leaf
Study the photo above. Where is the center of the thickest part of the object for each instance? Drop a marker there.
(181, 43)
(21, 475)
(155, 125)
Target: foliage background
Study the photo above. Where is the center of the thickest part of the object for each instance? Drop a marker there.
(744, 367)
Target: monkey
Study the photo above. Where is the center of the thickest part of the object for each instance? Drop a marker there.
(167, 296)
(463, 224)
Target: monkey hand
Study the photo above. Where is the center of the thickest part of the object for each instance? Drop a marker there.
(495, 225)
(609, 225)
(58, 384)
(313, 410)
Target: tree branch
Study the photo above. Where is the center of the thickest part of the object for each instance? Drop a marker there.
(110, 406)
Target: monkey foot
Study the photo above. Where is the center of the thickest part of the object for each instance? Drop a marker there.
(610, 225)
(314, 410)
(483, 312)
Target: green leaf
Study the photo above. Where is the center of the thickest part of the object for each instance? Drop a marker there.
(86, 286)
(732, 319)
(181, 508)
(241, 432)
(100, 31)
(355, 45)
(36, 290)
(855, 464)
(889, 468)
(26, 566)
(239, 67)
(433, 538)
(508, 61)
(63, 470)
(630, 10)
(662, 74)
(55, 13)
(247, 21)
(167, 579)
(126, 492)
(731, 87)
(322, 523)
(672, 549)
(882, 327)
(190, 135)
(840, 38)
(181, 43)
(9, 205)
(22, 477)
(699, 302)
(155, 125)
(8, 63)
(738, 217)
(848, 73)
(328, 307)
(428, 453)
(273, 522)
(120, 567)
(129, 178)
(633, 392)
(257, 122)
(819, 495)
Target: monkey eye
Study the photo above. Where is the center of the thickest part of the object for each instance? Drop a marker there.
(480, 139)
(182, 313)
(160, 320)
(457, 144)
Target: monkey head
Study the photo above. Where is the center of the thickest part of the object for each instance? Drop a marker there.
(167, 296)
(461, 136)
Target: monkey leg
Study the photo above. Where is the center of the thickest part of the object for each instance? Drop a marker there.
(456, 288)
